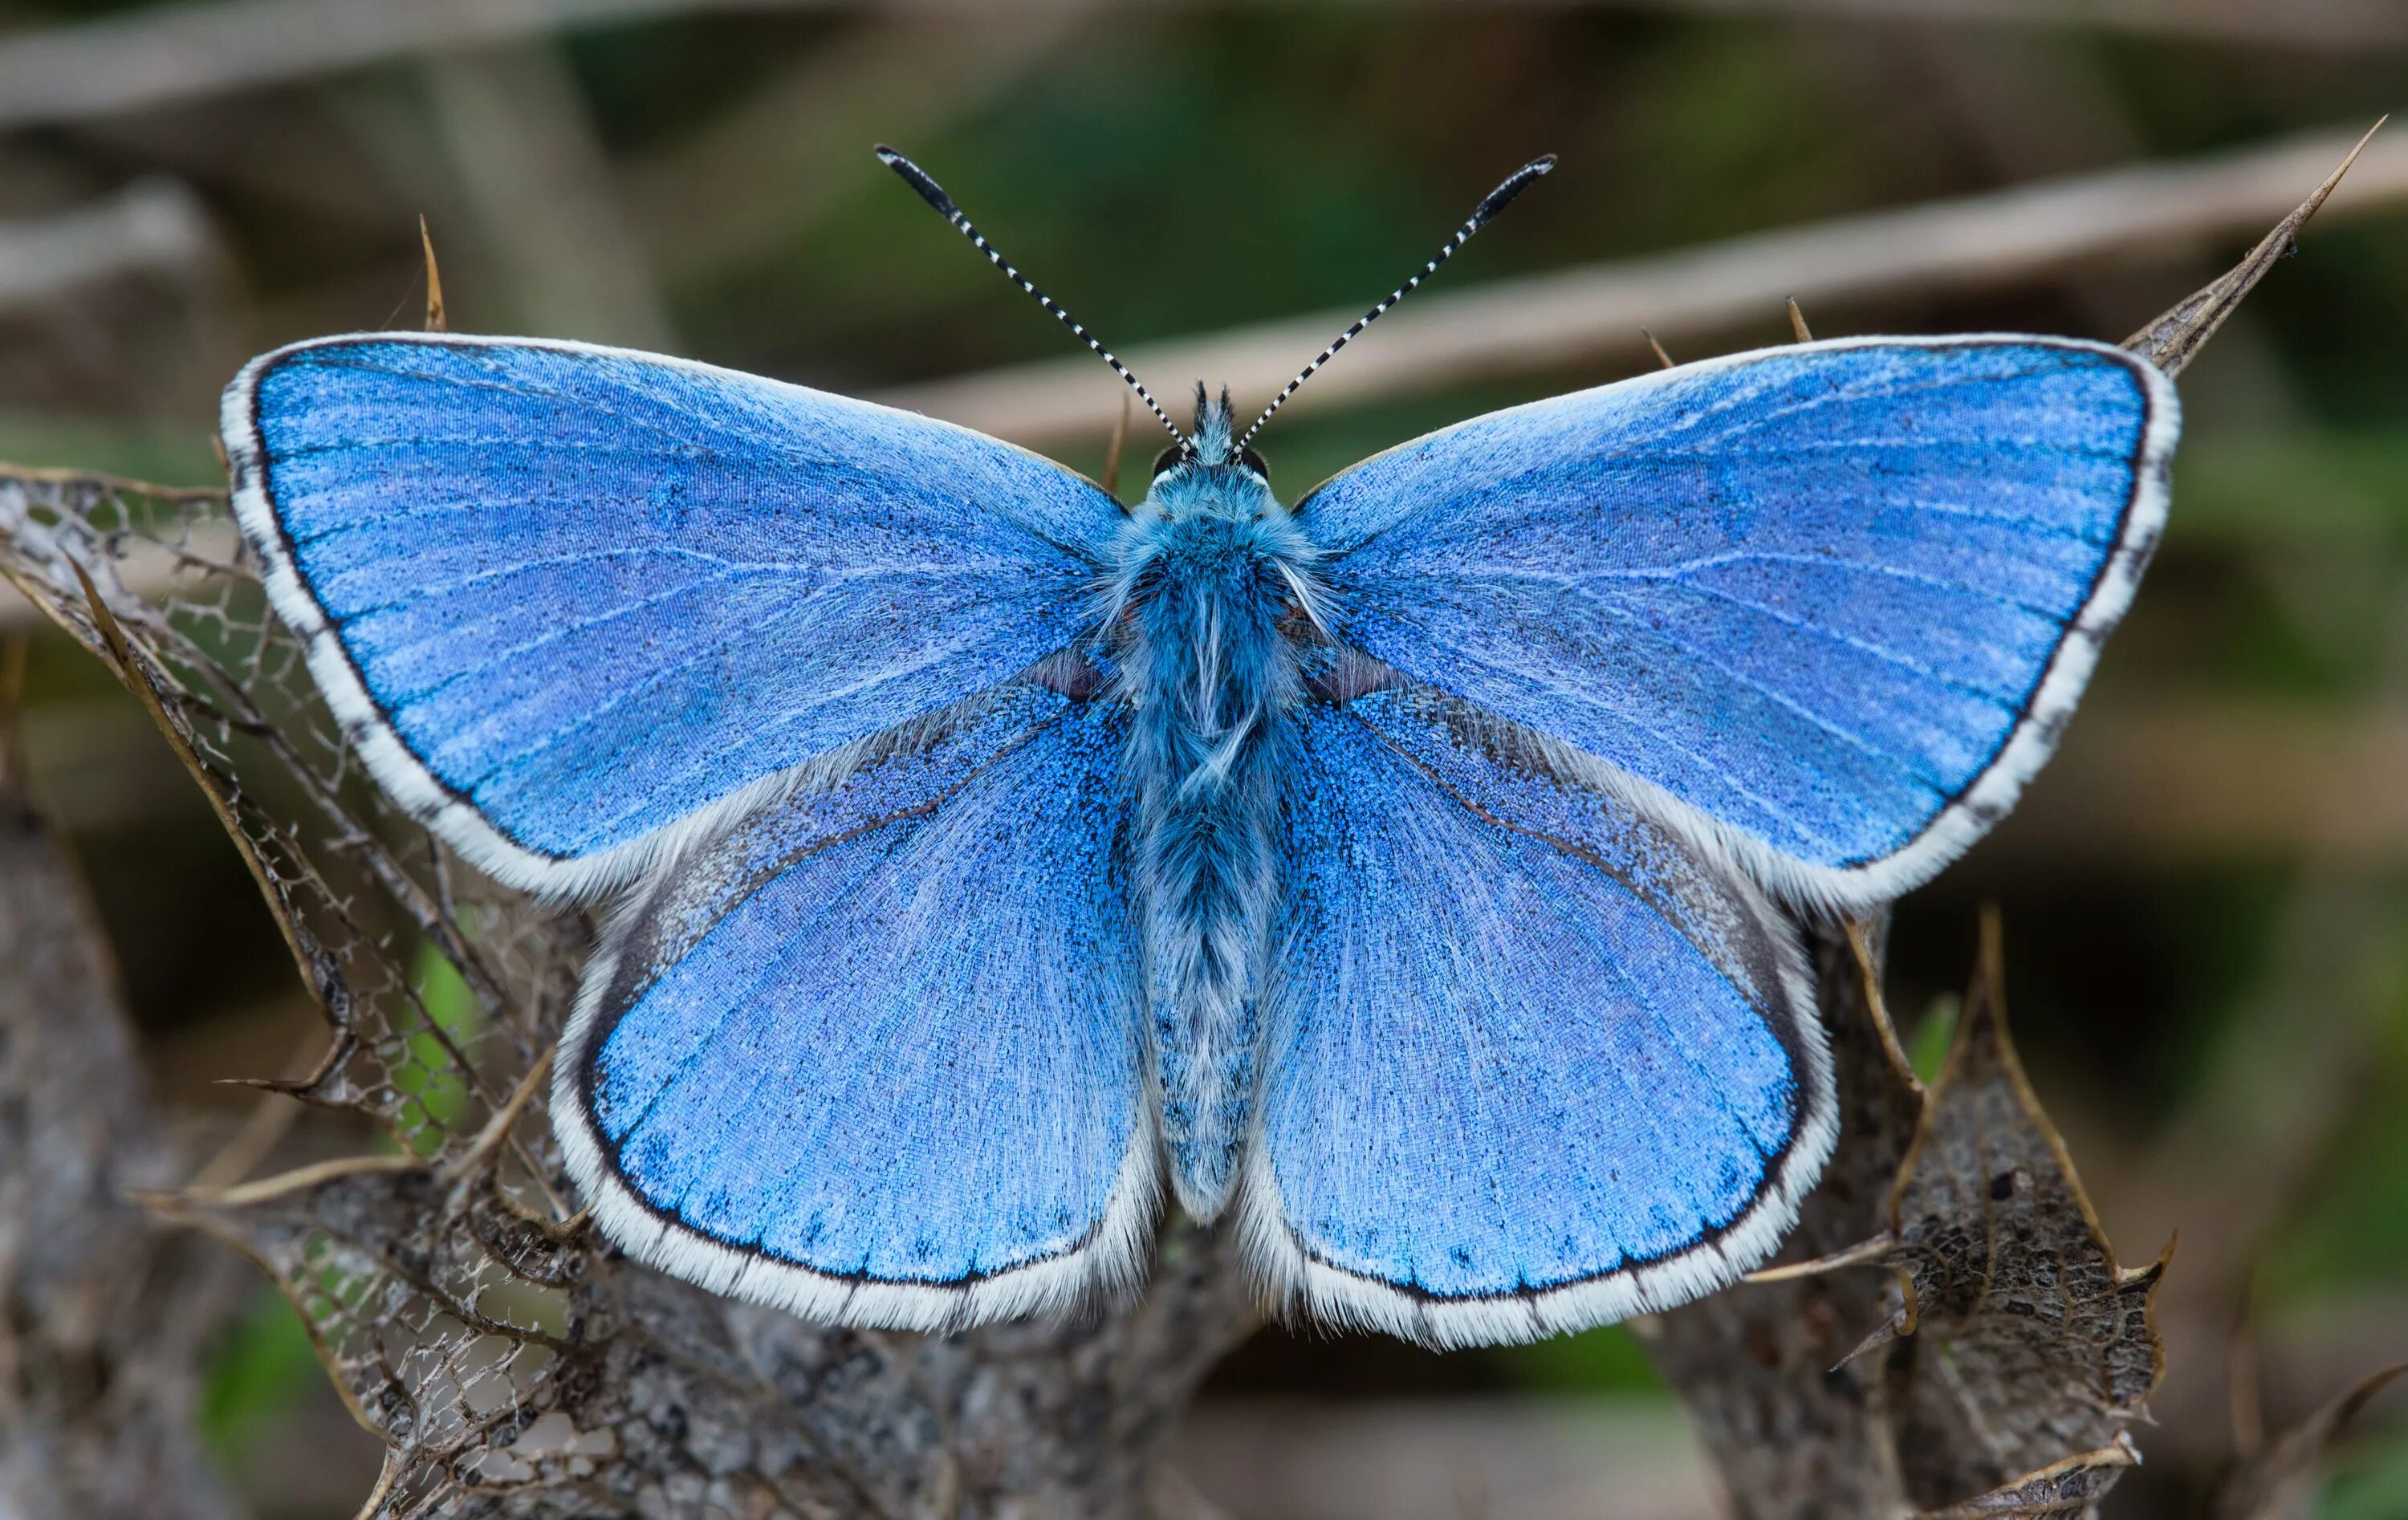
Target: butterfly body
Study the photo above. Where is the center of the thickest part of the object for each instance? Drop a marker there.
(1204, 604)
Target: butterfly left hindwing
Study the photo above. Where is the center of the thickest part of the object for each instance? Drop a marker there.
(873, 1055)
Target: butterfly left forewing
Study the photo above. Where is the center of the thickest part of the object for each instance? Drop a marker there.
(1535, 1063)
(577, 607)
(873, 1057)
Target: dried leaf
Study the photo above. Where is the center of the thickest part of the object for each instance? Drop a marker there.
(2031, 1341)
(2177, 337)
(513, 1364)
(2070, 1487)
(2279, 1482)
(2013, 1335)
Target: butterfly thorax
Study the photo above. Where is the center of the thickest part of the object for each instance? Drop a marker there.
(1211, 575)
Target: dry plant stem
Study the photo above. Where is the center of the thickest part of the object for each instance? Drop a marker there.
(2050, 1347)
(1111, 480)
(151, 227)
(2291, 23)
(1541, 322)
(103, 1315)
(2028, 1340)
(2277, 1481)
(2276, 1108)
(561, 255)
(897, 75)
(436, 320)
(2255, 1140)
(192, 50)
(2178, 335)
(1998, 1375)
(2071, 1487)
(1794, 1434)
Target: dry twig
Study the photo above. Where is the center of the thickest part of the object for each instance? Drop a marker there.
(151, 226)
(1603, 311)
(190, 50)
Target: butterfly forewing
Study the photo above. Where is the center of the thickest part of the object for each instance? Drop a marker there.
(568, 598)
(1829, 604)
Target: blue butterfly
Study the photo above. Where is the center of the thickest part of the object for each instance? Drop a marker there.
(1405, 876)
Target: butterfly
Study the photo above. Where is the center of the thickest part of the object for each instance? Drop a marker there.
(1409, 878)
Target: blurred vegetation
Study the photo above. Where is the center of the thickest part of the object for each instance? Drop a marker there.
(2207, 894)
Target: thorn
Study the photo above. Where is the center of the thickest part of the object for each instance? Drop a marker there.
(1113, 456)
(1990, 959)
(2246, 1415)
(1658, 348)
(2172, 340)
(12, 710)
(436, 322)
(1875, 1004)
(1867, 1253)
(1798, 322)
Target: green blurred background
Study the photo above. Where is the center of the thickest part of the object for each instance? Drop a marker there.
(2205, 896)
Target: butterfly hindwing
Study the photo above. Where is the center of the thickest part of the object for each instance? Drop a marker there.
(1826, 605)
(565, 598)
(873, 1056)
(1535, 1063)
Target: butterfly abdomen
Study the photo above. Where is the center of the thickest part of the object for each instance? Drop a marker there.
(1211, 679)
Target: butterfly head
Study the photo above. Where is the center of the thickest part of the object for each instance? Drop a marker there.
(1205, 471)
(1209, 527)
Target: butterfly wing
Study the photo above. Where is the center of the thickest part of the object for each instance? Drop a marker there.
(1827, 605)
(872, 1056)
(1535, 1063)
(564, 597)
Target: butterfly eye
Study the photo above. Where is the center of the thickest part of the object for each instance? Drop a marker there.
(1254, 461)
(1169, 457)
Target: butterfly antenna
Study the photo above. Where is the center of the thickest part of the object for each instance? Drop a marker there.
(933, 193)
(1495, 201)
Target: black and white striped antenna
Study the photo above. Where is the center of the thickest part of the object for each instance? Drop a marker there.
(1494, 202)
(933, 193)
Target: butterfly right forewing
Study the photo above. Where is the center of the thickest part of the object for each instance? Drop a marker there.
(1824, 608)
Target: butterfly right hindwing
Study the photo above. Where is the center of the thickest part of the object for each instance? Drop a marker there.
(1535, 1063)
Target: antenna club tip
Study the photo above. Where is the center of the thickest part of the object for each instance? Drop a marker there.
(917, 177)
(1516, 182)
